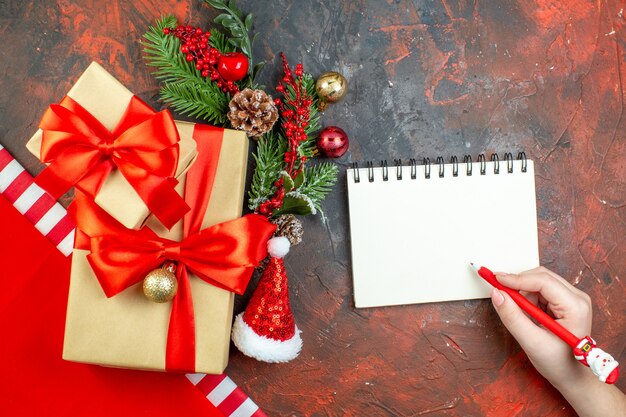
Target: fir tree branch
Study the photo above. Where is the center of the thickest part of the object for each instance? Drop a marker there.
(184, 88)
(220, 42)
(318, 182)
(269, 163)
(204, 102)
(162, 51)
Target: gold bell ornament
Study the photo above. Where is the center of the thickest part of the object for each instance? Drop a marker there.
(160, 285)
(331, 87)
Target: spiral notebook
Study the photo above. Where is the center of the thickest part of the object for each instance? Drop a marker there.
(415, 228)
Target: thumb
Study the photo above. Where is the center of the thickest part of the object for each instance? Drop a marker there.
(515, 320)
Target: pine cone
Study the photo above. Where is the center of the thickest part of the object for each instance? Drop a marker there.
(290, 227)
(252, 111)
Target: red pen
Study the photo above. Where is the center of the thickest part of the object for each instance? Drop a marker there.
(585, 350)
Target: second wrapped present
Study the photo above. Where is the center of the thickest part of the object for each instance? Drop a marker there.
(110, 144)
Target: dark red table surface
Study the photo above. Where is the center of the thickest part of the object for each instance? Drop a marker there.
(427, 78)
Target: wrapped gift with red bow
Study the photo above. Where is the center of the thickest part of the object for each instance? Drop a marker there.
(149, 292)
(108, 143)
(116, 317)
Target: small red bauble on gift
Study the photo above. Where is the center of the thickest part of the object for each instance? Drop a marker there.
(233, 66)
(332, 141)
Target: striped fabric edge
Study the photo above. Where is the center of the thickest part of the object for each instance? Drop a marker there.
(48, 216)
(225, 395)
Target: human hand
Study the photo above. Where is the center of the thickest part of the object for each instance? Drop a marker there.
(568, 305)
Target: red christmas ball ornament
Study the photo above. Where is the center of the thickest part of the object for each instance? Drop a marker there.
(233, 66)
(332, 141)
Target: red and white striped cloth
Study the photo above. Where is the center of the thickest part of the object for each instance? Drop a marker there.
(48, 216)
(52, 220)
(226, 395)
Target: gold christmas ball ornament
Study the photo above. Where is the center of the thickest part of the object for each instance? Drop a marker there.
(331, 87)
(160, 285)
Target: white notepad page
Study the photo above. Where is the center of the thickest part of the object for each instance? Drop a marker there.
(412, 239)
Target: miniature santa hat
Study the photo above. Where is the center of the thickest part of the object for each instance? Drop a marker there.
(266, 330)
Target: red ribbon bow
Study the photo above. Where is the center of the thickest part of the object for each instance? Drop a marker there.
(223, 255)
(82, 152)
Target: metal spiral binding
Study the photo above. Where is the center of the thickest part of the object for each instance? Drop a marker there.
(398, 163)
(496, 166)
(467, 160)
(508, 157)
(441, 167)
(455, 166)
(370, 170)
(483, 164)
(413, 164)
(357, 175)
(522, 156)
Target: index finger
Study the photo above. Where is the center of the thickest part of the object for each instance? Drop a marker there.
(552, 289)
(568, 284)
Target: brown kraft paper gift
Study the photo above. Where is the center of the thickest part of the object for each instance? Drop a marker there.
(128, 330)
(107, 99)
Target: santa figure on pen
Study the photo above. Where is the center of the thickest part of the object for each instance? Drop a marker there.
(601, 363)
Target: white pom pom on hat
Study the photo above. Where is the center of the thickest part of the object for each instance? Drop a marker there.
(278, 246)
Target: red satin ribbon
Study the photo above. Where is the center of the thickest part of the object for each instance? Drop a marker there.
(82, 152)
(224, 254)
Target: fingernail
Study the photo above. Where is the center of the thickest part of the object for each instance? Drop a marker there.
(497, 298)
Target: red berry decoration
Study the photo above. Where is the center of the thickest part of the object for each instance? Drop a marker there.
(233, 66)
(332, 141)
(194, 44)
(296, 111)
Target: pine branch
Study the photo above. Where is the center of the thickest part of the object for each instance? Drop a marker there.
(162, 51)
(319, 180)
(269, 163)
(220, 42)
(184, 88)
(204, 102)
